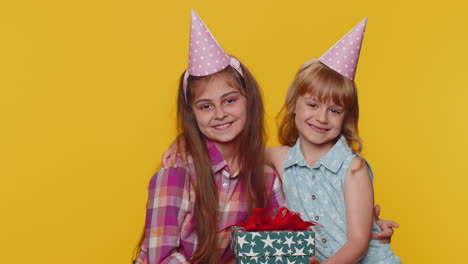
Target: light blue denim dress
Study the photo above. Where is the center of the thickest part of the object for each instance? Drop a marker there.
(318, 194)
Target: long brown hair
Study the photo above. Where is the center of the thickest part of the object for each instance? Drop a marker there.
(327, 85)
(250, 155)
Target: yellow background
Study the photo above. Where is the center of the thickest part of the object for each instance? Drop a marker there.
(87, 106)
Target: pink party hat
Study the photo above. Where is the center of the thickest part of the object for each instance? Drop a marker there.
(344, 55)
(206, 56)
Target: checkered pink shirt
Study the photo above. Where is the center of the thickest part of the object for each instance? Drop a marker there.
(170, 235)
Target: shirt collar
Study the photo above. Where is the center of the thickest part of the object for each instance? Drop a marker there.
(217, 161)
(295, 156)
(332, 160)
(335, 156)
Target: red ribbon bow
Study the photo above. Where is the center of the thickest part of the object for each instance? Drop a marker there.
(261, 220)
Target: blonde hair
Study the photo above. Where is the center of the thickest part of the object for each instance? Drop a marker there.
(326, 85)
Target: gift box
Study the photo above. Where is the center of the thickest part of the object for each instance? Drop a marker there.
(262, 239)
(263, 247)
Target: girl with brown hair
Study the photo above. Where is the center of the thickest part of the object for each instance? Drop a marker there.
(220, 114)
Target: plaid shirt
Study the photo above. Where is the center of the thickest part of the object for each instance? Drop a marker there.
(170, 235)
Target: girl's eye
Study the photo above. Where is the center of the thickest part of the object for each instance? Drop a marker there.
(313, 105)
(231, 100)
(335, 111)
(205, 107)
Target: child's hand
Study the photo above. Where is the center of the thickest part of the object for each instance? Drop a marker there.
(314, 261)
(384, 236)
(176, 149)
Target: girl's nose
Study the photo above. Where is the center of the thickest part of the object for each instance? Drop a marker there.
(220, 113)
(323, 116)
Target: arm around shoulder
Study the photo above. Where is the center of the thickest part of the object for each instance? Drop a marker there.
(274, 157)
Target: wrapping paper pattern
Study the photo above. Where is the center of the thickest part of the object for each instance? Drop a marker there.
(272, 246)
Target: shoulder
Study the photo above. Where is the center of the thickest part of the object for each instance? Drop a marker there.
(172, 176)
(358, 169)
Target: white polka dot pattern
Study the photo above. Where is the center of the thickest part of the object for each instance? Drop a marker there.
(344, 55)
(206, 56)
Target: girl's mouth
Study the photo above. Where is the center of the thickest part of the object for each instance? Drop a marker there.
(223, 126)
(318, 129)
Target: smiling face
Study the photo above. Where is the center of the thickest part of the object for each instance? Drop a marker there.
(321, 105)
(318, 123)
(220, 109)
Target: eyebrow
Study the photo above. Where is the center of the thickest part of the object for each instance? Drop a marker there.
(222, 96)
(313, 98)
(310, 97)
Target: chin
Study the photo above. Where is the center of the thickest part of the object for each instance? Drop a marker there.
(226, 139)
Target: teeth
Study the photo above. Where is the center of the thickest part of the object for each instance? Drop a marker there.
(223, 126)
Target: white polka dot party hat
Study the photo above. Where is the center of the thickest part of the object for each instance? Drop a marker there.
(344, 55)
(205, 56)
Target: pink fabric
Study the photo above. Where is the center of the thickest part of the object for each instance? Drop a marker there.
(170, 235)
(344, 55)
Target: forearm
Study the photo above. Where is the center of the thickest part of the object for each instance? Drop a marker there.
(351, 252)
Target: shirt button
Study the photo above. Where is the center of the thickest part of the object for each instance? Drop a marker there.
(225, 184)
(324, 240)
(317, 218)
(313, 197)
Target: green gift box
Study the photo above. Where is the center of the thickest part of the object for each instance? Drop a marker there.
(275, 247)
